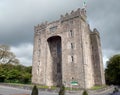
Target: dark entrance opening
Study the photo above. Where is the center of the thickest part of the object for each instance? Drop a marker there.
(56, 56)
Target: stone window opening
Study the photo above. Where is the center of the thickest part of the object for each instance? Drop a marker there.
(72, 79)
(72, 46)
(72, 58)
(71, 33)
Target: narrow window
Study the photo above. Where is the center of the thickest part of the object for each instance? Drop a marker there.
(71, 45)
(72, 58)
(71, 33)
(92, 48)
(72, 78)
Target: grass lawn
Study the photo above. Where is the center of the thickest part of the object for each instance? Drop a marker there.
(98, 87)
(54, 87)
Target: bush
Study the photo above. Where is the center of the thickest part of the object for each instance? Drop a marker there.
(116, 90)
(34, 90)
(62, 90)
(84, 92)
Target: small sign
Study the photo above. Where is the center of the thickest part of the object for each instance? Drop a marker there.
(74, 83)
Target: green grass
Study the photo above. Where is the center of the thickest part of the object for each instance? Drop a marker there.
(19, 84)
(54, 87)
(98, 87)
(31, 85)
(46, 87)
(72, 89)
(42, 86)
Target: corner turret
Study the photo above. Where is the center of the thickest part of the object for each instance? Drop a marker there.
(78, 13)
(41, 26)
(97, 58)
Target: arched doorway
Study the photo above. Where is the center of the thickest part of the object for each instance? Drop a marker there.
(56, 57)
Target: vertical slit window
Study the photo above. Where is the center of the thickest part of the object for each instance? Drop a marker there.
(71, 45)
(72, 58)
(71, 33)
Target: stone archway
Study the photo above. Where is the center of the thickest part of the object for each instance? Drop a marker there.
(54, 44)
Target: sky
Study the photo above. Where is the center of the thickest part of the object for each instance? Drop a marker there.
(18, 18)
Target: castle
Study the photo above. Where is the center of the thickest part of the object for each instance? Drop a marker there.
(67, 52)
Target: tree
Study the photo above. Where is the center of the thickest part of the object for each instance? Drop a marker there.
(116, 90)
(2, 74)
(6, 56)
(15, 73)
(112, 72)
(34, 90)
(84, 92)
(26, 77)
(62, 90)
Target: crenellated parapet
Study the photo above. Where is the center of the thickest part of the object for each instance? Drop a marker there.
(95, 32)
(41, 26)
(54, 22)
(78, 13)
(73, 14)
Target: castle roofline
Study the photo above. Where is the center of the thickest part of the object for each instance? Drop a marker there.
(67, 16)
(95, 32)
(73, 14)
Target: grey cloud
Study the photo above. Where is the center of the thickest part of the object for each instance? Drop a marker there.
(18, 18)
(105, 15)
(24, 53)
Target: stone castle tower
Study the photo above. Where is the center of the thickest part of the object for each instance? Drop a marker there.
(67, 50)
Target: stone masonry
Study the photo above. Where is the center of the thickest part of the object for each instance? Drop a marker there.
(67, 51)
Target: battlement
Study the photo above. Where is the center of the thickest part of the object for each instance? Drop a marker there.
(79, 12)
(54, 22)
(40, 26)
(95, 32)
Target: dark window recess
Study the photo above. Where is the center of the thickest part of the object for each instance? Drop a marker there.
(72, 58)
(72, 78)
(72, 45)
(92, 48)
(71, 33)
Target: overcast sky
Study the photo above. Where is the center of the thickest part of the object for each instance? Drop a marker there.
(18, 18)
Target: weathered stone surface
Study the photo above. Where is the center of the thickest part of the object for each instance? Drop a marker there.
(67, 50)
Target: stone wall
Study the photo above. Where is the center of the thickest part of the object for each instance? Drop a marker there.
(75, 60)
(97, 58)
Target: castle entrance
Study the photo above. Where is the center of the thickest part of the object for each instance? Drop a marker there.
(56, 59)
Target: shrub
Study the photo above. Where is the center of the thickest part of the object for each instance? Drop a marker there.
(34, 90)
(84, 92)
(116, 90)
(62, 90)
